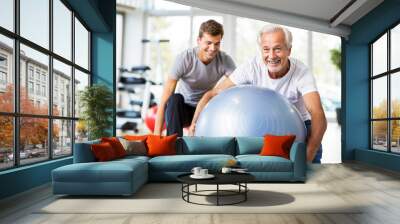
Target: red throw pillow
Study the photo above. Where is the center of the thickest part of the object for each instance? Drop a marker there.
(116, 145)
(161, 145)
(103, 151)
(277, 145)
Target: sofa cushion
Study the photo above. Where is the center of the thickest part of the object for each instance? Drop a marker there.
(112, 171)
(206, 145)
(185, 163)
(257, 163)
(249, 145)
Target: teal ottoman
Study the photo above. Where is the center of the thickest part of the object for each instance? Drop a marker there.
(118, 177)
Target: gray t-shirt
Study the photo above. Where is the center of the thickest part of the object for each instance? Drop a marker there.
(196, 78)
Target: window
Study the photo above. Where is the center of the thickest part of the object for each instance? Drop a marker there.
(34, 21)
(30, 87)
(385, 95)
(44, 91)
(6, 142)
(62, 29)
(161, 28)
(3, 78)
(37, 89)
(45, 131)
(62, 140)
(7, 14)
(81, 81)
(3, 61)
(6, 73)
(81, 45)
(30, 72)
(3, 72)
(62, 74)
(37, 74)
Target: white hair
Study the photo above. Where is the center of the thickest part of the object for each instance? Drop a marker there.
(271, 28)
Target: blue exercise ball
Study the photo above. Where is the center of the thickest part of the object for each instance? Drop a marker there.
(245, 111)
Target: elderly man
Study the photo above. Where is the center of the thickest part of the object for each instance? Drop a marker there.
(197, 70)
(290, 77)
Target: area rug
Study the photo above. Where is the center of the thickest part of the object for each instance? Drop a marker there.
(167, 198)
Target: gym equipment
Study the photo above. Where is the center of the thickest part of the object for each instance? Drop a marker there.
(246, 111)
(135, 85)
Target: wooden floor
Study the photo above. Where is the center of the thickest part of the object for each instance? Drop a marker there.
(378, 189)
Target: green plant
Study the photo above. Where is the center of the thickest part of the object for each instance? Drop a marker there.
(336, 58)
(96, 102)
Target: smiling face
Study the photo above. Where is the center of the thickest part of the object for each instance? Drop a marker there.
(275, 53)
(208, 47)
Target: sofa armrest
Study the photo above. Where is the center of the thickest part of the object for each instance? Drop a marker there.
(83, 152)
(298, 157)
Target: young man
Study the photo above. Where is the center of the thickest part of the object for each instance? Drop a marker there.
(197, 70)
(288, 76)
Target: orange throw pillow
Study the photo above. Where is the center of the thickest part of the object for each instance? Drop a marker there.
(116, 145)
(277, 145)
(103, 152)
(136, 137)
(161, 145)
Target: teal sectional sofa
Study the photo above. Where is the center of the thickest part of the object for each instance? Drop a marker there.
(125, 176)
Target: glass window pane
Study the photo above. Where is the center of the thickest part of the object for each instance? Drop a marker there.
(161, 28)
(6, 142)
(81, 45)
(33, 139)
(379, 98)
(395, 94)
(81, 81)
(34, 97)
(395, 47)
(62, 141)
(62, 89)
(379, 55)
(7, 14)
(395, 136)
(81, 131)
(62, 29)
(379, 135)
(246, 36)
(6, 74)
(35, 21)
(167, 5)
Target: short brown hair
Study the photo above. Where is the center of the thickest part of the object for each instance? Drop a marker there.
(211, 27)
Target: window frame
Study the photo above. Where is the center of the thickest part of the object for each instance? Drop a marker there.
(15, 72)
(388, 74)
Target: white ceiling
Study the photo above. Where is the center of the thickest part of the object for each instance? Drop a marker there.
(316, 15)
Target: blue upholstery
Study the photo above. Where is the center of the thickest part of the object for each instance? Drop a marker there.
(83, 152)
(126, 175)
(298, 155)
(178, 164)
(119, 177)
(249, 145)
(206, 145)
(259, 163)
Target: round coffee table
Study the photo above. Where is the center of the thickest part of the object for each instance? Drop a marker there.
(238, 179)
